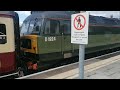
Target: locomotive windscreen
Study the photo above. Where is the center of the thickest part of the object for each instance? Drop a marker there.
(31, 27)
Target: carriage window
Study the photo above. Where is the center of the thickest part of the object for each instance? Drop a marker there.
(52, 27)
(3, 39)
(65, 27)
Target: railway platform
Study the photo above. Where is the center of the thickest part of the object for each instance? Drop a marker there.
(102, 67)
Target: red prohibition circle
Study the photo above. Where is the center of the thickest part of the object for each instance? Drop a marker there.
(75, 20)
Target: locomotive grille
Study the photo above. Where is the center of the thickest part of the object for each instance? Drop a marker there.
(26, 43)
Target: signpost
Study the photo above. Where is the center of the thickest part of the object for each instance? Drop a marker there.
(79, 35)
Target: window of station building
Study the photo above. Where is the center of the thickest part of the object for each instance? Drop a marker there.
(65, 27)
(52, 27)
(3, 39)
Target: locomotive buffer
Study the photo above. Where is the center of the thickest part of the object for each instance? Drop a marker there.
(79, 35)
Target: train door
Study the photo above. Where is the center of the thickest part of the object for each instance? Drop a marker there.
(66, 38)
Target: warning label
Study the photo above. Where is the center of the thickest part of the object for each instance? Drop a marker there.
(79, 28)
(79, 22)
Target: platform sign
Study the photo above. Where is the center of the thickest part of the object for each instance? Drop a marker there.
(79, 28)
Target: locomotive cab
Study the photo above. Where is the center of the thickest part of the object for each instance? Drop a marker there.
(42, 39)
(30, 31)
(29, 34)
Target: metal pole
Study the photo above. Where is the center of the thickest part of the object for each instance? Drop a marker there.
(81, 61)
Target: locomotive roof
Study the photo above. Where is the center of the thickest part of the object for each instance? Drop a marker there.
(104, 20)
(50, 14)
(99, 20)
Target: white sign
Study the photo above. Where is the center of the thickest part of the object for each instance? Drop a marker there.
(79, 28)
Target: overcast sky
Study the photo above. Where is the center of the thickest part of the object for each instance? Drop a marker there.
(116, 14)
(23, 15)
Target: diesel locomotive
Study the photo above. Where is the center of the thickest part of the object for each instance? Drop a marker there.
(46, 37)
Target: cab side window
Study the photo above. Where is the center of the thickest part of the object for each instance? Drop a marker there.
(65, 27)
(3, 39)
(37, 27)
(47, 28)
(52, 27)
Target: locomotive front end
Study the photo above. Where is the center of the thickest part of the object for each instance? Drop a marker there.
(30, 31)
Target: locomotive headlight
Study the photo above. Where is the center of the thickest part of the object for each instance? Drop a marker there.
(34, 48)
(33, 40)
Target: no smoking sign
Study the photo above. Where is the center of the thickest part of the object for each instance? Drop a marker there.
(79, 28)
